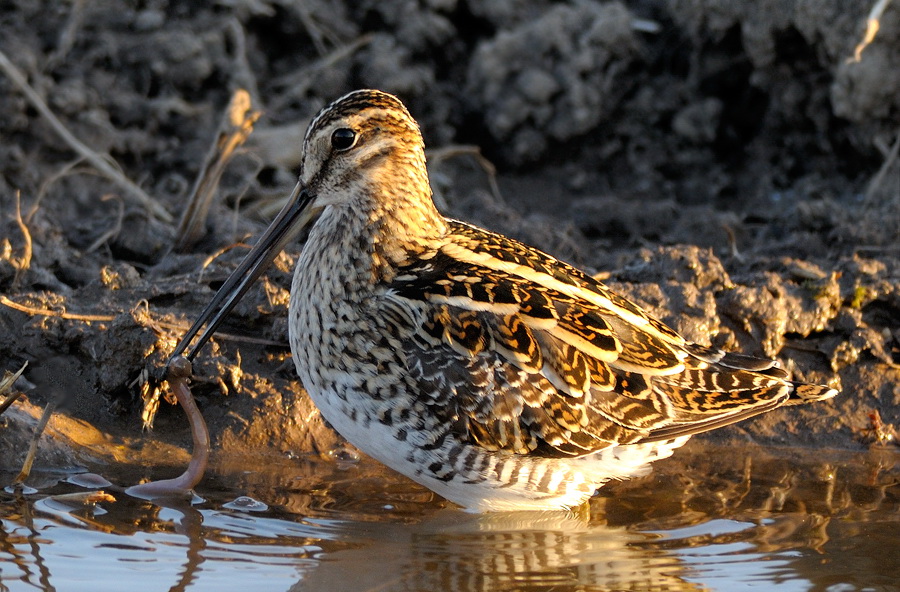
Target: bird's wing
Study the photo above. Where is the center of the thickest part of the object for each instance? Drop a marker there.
(527, 354)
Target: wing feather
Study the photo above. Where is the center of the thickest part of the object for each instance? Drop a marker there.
(525, 354)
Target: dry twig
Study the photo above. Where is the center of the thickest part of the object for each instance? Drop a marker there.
(234, 130)
(32, 449)
(209, 260)
(316, 32)
(102, 162)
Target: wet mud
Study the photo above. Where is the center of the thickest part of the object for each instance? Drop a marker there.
(725, 165)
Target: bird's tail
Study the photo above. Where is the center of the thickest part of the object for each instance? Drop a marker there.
(803, 393)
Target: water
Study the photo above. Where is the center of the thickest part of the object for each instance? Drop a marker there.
(708, 519)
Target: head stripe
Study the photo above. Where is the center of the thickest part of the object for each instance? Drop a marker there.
(353, 103)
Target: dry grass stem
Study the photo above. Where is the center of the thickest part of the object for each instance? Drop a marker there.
(68, 169)
(236, 127)
(732, 242)
(55, 313)
(24, 262)
(102, 162)
(243, 74)
(873, 23)
(32, 449)
(440, 154)
(889, 161)
(6, 384)
(69, 34)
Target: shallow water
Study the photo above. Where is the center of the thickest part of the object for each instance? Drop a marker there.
(708, 519)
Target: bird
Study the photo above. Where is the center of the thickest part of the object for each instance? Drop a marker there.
(484, 369)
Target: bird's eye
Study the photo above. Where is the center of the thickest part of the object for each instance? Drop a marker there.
(343, 139)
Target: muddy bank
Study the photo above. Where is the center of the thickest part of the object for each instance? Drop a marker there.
(725, 166)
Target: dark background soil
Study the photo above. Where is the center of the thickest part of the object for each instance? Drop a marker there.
(724, 164)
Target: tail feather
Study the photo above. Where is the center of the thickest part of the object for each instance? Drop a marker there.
(724, 388)
(736, 361)
(804, 393)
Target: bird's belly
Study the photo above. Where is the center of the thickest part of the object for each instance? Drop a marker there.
(360, 386)
(359, 425)
(474, 478)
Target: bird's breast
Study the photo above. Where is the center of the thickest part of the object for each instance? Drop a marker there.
(333, 322)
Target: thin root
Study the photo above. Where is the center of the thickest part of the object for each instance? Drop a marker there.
(25, 261)
(209, 260)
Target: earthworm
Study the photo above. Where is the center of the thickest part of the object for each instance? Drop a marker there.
(178, 372)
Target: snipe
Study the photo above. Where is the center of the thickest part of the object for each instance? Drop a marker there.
(486, 370)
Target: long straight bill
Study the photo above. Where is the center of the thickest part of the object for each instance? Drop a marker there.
(292, 218)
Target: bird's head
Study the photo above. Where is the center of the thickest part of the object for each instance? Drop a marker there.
(364, 146)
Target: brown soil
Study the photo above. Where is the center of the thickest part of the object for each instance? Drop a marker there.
(721, 163)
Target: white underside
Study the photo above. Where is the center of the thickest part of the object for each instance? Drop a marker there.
(585, 474)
